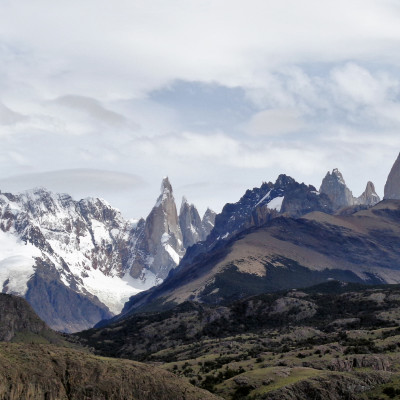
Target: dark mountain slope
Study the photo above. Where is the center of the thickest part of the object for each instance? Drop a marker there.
(18, 322)
(288, 253)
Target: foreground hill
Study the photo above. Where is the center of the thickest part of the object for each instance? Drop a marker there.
(19, 323)
(40, 364)
(288, 253)
(48, 372)
(331, 341)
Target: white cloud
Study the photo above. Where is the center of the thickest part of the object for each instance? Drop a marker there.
(76, 80)
(274, 122)
(354, 84)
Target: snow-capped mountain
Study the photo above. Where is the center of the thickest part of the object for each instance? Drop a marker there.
(81, 245)
(78, 262)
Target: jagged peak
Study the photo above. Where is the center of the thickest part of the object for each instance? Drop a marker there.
(370, 187)
(337, 174)
(209, 214)
(166, 185)
(392, 186)
(184, 201)
(369, 196)
(284, 180)
(186, 205)
(166, 192)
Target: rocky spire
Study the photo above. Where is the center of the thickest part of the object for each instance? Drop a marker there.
(208, 222)
(392, 187)
(369, 197)
(334, 186)
(190, 223)
(160, 247)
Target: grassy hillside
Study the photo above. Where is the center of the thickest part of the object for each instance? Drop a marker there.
(49, 372)
(331, 341)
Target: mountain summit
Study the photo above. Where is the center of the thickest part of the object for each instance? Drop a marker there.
(334, 186)
(159, 246)
(392, 187)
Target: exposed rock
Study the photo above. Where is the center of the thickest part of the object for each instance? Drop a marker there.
(190, 224)
(332, 387)
(392, 186)
(296, 309)
(259, 206)
(334, 186)
(369, 197)
(377, 363)
(160, 248)
(208, 222)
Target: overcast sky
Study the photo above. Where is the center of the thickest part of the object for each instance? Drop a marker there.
(105, 98)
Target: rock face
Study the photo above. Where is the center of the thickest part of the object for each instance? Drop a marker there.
(208, 222)
(334, 186)
(159, 246)
(369, 197)
(190, 224)
(260, 205)
(392, 186)
(193, 228)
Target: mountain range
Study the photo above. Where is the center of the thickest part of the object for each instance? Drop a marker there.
(80, 262)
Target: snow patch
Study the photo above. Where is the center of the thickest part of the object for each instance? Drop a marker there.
(16, 263)
(264, 198)
(174, 255)
(276, 203)
(113, 291)
(165, 237)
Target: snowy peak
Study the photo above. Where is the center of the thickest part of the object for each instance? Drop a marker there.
(369, 196)
(392, 186)
(78, 249)
(334, 186)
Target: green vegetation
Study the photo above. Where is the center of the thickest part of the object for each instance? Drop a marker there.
(315, 342)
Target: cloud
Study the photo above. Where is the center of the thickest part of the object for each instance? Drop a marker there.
(92, 108)
(9, 117)
(169, 88)
(274, 122)
(73, 181)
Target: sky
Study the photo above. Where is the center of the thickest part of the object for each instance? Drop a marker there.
(104, 99)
